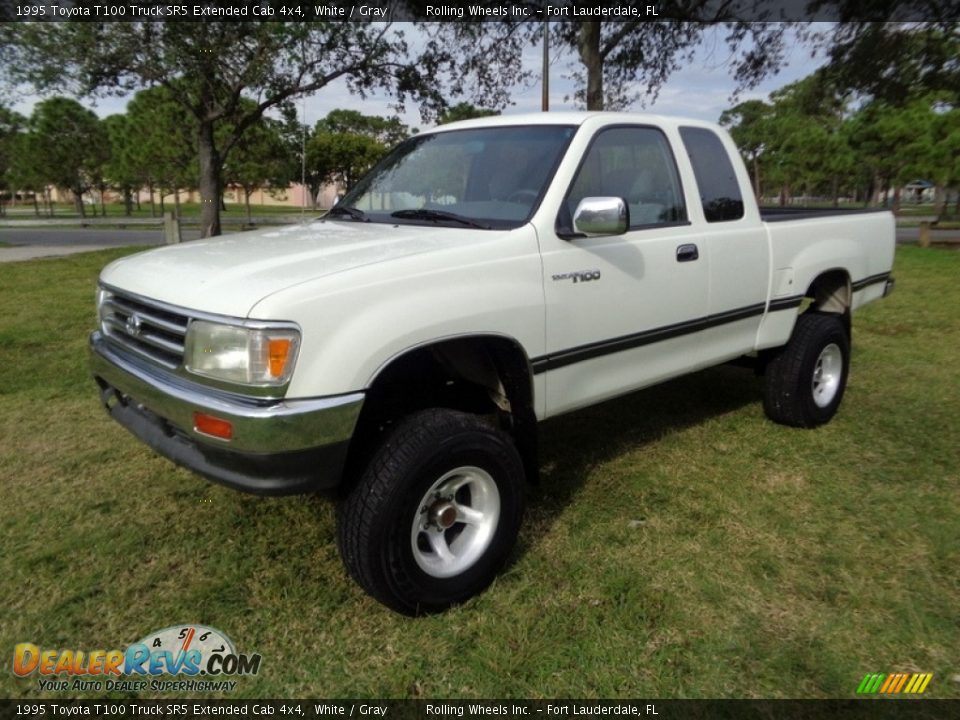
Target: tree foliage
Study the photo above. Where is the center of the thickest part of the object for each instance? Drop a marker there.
(893, 61)
(265, 157)
(345, 144)
(813, 138)
(67, 146)
(165, 144)
(11, 126)
(210, 67)
(386, 131)
(464, 111)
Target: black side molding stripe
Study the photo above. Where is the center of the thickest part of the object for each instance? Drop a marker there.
(629, 342)
(785, 303)
(571, 356)
(867, 281)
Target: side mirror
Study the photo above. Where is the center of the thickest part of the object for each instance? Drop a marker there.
(597, 216)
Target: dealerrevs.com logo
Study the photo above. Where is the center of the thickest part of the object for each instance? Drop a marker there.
(204, 654)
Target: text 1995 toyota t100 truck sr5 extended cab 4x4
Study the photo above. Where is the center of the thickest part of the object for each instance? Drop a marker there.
(482, 277)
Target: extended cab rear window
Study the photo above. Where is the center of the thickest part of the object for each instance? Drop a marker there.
(716, 179)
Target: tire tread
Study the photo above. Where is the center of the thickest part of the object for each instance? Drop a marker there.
(360, 529)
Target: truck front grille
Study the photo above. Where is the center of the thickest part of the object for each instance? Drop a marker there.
(144, 328)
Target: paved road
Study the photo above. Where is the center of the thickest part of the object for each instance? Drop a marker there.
(47, 237)
(30, 243)
(912, 235)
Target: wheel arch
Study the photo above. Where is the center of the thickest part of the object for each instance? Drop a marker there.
(485, 373)
(832, 292)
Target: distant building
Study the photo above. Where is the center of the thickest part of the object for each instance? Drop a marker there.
(918, 191)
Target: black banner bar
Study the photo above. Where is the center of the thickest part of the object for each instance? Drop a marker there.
(866, 709)
(475, 11)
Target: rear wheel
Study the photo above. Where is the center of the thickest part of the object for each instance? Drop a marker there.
(435, 514)
(806, 378)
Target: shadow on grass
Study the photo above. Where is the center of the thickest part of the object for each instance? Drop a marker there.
(302, 535)
(572, 444)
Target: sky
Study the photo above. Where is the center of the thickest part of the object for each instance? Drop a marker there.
(702, 89)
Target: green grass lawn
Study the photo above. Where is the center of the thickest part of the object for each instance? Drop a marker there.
(679, 545)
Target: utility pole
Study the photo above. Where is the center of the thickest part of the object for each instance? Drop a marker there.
(545, 97)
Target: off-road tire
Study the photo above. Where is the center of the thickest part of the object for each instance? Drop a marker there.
(376, 519)
(790, 397)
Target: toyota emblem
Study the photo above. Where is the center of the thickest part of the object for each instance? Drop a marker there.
(133, 324)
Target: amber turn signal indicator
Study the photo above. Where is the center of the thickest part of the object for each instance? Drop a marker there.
(213, 426)
(277, 353)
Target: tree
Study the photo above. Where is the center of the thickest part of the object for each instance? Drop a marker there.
(264, 157)
(748, 124)
(210, 66)
(340, 158)
(164, 152)
(24, 173)
(345, 144)
(464, 111)
(11, 126)
(124, 169)
(68, 146)
(797, 140)
(386, 131)
(622, 61)
(893, 61)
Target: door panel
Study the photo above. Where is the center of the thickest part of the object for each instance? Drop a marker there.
(619, 308)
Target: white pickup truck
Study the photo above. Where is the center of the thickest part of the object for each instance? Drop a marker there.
(484, 276)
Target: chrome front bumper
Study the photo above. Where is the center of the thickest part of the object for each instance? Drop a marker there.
(278, 446)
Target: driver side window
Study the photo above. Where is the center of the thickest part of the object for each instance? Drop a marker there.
(633, 163)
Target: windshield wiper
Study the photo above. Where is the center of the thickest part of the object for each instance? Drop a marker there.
(425, 214)
(349, 211)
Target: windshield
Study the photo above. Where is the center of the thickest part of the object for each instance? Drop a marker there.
(488, 177)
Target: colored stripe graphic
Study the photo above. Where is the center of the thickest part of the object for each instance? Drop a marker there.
(894, 683)
(891, 680)
(870, 683)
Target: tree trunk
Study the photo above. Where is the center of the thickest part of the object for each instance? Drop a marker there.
(103, 203)
(176, 203)
(756, 177)
(246, 199)
(36, 205)
(128, 202)
(78, 203)
(588, 45)
(162, 207)
(896, 200)
(153, 205)
(211, 167)
(836, 191)
(939, 200)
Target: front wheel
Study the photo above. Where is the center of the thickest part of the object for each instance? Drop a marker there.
(435, 514)
(806, 378)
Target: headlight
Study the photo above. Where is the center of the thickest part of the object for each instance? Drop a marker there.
(233, 353)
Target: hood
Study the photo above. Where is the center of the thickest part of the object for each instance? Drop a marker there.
(228, 275)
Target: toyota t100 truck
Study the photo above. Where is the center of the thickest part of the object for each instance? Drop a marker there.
(482, 277)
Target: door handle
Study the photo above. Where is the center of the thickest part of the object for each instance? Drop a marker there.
(687, 253)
